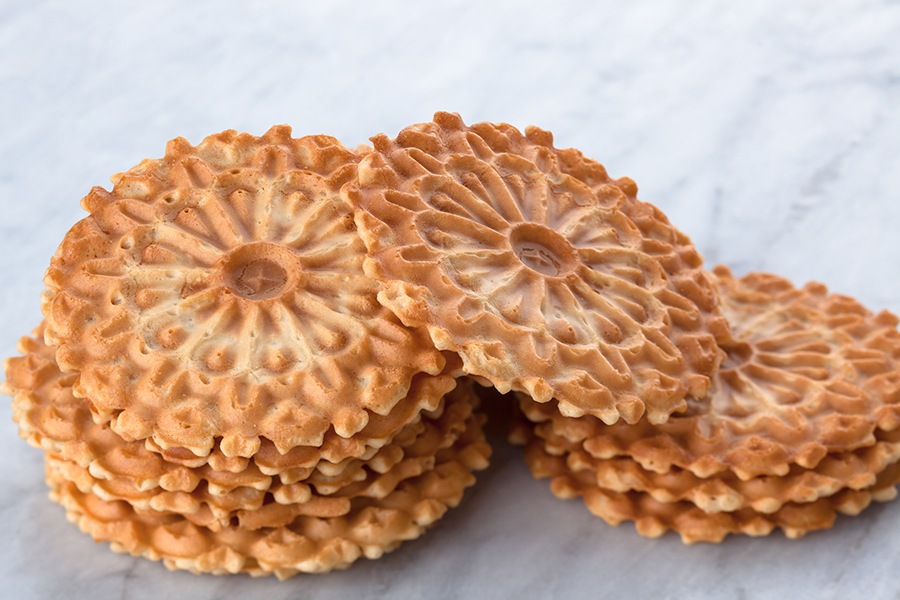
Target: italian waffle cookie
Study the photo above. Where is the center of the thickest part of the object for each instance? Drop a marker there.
(215, 300)
(725, 491)
(213, 354)
(216, 500)
(252, 509)
(802, 421)
(545, 275)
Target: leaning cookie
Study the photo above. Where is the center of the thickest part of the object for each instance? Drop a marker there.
(544, 275)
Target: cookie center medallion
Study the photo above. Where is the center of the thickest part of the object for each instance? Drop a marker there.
(543, 250)
(257, 271)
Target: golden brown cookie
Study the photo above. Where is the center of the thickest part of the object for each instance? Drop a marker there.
(541, 272)
(807, 374)
(216, 297)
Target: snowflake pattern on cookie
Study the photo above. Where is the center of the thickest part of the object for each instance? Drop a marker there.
(546, 276)
(219, 292)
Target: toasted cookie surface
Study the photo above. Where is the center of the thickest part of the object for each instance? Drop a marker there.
(807, 374)
(216, 298)
(217, 500)
(541, 272)
(801, 424)
(310, 518)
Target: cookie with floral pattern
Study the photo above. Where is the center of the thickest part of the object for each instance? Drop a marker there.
(216, 299)
(545, 276)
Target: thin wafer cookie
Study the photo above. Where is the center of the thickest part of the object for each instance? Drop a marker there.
(724, 491)
(51, 417)
(807, 374)
(218, 294)
(525, 263)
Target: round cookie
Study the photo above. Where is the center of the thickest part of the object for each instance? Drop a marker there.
(278, 504)
(541, 272)
(801, 424)
(52, 418)
(216, 297)
(806, 374)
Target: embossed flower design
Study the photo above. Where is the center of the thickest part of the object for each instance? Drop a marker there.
(807, 375)
(225, 283)
(539, 281)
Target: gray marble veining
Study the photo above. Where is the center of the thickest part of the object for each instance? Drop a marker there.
(768, 131)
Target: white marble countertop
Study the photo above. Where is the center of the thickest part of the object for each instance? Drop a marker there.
(769, 131)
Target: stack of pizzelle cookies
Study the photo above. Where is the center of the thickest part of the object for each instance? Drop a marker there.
(258, 354)
(215, 384)
(801, 424)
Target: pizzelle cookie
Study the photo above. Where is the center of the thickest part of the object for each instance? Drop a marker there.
(254, 354)
(523, 259)
(726, 492)
(322, 496)
(52, 418)
(807, 374)
(215, 298)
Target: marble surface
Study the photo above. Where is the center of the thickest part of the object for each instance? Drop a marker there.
(769, 131)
